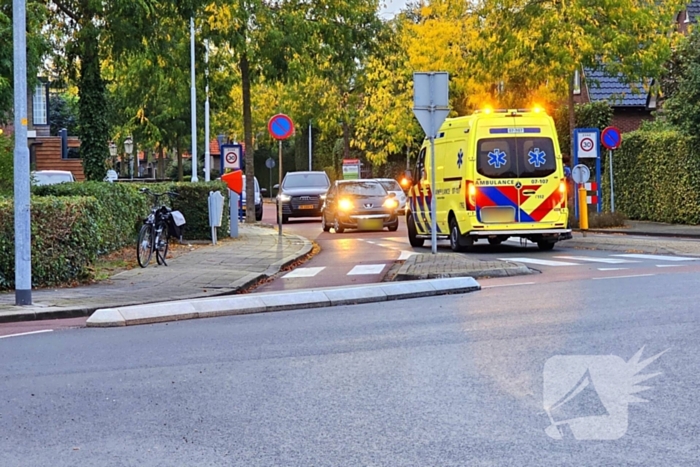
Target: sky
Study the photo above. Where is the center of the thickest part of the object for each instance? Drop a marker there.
(389, 8)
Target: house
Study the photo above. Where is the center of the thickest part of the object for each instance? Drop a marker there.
(631, 104)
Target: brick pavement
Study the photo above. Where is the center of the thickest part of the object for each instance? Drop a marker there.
(211, 270)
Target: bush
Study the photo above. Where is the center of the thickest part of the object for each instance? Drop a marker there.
(65, 240)
(656, 177)
(603, 220)
(6, 164)
(193, 203)
(121, 209)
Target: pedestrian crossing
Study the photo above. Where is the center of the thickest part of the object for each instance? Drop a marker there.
(616, 259)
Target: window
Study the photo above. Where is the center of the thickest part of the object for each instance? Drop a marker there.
(391, 185)
(40, 105)
(306, 180)
(362, 189)
(420, 165)
(516, 157)
(577, 82)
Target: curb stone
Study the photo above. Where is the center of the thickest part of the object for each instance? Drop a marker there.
(39, 312)
(278, 301)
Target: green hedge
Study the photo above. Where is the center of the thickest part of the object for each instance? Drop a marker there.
(657, 177)
(193, 203)
(121, 209)
(65, 240)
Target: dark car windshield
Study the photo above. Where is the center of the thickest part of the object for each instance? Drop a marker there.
(390, 185)
(516, 157)
(306, 180)
(362, 189)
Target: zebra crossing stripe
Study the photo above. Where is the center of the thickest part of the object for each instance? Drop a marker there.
(543, 262)
(303, 272)
(594, 259)
(405, 254)
(362, 269)
(658, 257)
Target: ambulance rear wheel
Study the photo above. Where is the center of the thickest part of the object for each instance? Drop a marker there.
(413, 233)
(457, 242)
(544, 245)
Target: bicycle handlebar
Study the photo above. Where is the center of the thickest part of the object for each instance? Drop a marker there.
(158, 195)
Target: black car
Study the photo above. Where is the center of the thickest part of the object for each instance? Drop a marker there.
(302, 194)
(352, 204)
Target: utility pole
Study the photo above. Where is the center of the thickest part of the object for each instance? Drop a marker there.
(310, 152)
(207, 154)
(193, 97)
(23, 239)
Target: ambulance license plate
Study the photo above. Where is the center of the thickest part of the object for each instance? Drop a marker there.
(306, 206)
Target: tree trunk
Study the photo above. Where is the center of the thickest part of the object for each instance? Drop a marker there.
(346, 141)
(572, 117)
(248, 138)
(161, 163)
(180, 174)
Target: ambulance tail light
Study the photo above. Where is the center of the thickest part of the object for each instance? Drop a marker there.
(471, 196)
(562, 192)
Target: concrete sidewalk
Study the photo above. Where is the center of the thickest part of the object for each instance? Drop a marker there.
(653, 229)
(208, 271)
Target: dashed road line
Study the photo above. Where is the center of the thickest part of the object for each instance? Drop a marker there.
(597, 259)
(658, 257)
(623, 277)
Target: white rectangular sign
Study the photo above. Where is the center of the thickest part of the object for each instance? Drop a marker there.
(232, 158)
(587, 145)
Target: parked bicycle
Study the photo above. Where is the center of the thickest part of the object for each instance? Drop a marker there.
(155, 232)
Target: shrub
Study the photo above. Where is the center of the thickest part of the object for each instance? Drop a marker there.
(193, 203)
(65, 240)
(656, 177)
(6, 164)
(603, 220)
(121, 209)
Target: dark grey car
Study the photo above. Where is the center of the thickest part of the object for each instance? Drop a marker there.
(302, 194)
(350, 204)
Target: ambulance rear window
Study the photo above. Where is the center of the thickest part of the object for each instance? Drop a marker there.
(522, 157)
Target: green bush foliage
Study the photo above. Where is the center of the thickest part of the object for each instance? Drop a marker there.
(193, 203)
(656, 177)
(65, 240)
(6, 166)
(121, 209)
(591, 115)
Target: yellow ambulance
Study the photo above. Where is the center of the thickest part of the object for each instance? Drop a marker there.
(498, 174)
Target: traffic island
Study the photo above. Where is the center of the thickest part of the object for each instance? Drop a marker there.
(277, 301)
(442, 265)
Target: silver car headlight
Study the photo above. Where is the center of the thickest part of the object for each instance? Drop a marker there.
(284, 198)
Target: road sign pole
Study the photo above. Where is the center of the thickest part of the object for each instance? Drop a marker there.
(612, 188)
(279, 201)
(433, 218)
(193, 98)
(310, 143)
(23, 240)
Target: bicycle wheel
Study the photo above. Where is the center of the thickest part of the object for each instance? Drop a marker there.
(144, 246)
(162, 242)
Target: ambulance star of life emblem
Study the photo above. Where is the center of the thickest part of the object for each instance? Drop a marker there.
(460, 155)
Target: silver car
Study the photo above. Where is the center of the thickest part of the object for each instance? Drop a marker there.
(392, 186)
(51, 177)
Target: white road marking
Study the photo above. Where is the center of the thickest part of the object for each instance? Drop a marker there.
(543, 262)
(405, 254)
(669, 265)
(506, 285)
(362, 269)
(623, 277)
(395, 239)
(612, 269)
(27, 333)
(303, 272)
(659, 257)
(370, 241)
(594, 259)
(386, 246)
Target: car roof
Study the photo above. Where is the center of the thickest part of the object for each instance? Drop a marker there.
(56, 172)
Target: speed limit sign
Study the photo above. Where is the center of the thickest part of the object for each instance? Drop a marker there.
(232, 156)
(587, 144)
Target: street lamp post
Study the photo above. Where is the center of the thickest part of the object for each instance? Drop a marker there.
(207, 154)
(129, 149)
(193, 97)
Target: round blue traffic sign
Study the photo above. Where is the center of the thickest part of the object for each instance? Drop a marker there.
(280, 126)
(611, 138)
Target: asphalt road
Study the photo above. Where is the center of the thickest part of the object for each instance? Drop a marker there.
(453, 380)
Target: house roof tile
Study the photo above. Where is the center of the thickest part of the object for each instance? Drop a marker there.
(602, 87)
(693, 10)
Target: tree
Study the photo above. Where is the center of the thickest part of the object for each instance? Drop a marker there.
(276, 41)
(681, 85)
(37, 46)
(63, 113)
(87, 31)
